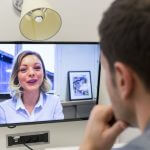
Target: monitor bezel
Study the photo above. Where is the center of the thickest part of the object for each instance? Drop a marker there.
(13, 125)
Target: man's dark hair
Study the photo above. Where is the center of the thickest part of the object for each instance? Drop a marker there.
(125, 36)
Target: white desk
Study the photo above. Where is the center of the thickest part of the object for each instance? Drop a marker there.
(118, 145)
(63, 148)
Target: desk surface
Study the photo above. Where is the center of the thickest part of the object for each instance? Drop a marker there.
(115, 147)
(63, 148)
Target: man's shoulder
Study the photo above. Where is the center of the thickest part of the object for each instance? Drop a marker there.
(142, 142)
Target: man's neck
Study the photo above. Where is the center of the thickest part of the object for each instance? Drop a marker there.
(143, 111)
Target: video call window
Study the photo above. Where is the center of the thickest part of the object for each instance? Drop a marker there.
(73, 70)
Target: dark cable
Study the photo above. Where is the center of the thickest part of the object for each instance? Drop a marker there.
(27, 146)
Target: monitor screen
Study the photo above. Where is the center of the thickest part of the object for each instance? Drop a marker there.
(48, 81)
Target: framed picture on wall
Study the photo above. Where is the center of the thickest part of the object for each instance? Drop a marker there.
(80, 85)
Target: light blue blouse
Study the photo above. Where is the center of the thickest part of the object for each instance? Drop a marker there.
(47, 108)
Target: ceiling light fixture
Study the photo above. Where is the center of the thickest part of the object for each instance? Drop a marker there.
(38, 20)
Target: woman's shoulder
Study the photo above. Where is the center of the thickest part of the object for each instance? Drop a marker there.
(6, 102)
(51, 96)
(51, 99)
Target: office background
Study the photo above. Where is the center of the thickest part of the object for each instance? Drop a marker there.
(80, 21)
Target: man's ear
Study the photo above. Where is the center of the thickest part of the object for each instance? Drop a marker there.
(124, 79)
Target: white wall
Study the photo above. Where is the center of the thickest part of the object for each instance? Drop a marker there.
(80, 20)
(75, 58)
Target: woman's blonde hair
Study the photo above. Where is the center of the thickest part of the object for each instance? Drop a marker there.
(15, 87)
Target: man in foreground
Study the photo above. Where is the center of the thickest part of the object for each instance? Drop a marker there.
(125, 44)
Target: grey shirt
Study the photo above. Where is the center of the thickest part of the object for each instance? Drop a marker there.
(142, 142)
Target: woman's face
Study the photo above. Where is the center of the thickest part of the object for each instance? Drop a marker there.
(30, 74)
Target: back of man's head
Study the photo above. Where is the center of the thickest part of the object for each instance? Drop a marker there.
(125, 36)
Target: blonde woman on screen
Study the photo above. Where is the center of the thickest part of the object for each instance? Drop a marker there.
(29, 85)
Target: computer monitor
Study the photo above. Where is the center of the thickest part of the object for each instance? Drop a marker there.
(72, 69)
